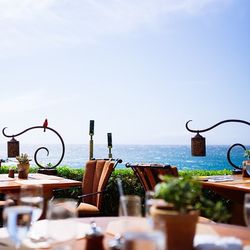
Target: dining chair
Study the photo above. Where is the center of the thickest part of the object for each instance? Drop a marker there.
(95, 179)
(149, 174)
(96, 176)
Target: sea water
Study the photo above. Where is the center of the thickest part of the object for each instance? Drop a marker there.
(76, 155)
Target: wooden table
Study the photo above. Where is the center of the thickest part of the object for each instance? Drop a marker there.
(49, 182)
(222, 230)
(109, 228)
(233, 190)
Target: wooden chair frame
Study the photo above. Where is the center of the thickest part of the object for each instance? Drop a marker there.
(94, 199)
(148, 174)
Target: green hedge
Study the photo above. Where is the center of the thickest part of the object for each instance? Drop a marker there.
(131, 185)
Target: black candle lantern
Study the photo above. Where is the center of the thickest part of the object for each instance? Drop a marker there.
(91, 141)
(109, 136)
(91, 127)
(13, 148)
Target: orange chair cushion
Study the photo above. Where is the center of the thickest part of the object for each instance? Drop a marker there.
(87, 209)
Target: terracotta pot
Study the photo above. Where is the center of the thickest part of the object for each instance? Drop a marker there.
(179, 228)
(23, 170)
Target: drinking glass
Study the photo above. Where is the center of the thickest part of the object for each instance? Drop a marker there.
(17, 220)
(151, 240)
(130, 213)
(248, 169)
(247, 209)
(61, 216)
(32, 195)
(130, 205)
(149, 201)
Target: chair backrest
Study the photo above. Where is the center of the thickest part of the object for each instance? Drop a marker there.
(96, 175)
(148, 174)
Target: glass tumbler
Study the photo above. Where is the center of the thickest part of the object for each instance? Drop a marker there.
(130, 205)
(149, 201)
(62, 228)
(247, 209)
(151, 240)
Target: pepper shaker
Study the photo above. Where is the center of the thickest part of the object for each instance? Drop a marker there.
(94, 238)
(11, 173)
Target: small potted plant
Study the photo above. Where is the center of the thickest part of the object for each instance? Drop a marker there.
(23, 166)
(246, 164)
(184, 201)
(180, 215)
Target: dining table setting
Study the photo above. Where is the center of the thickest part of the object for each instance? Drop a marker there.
(12, 184)
(232, 187)
(24, 228)
(62, 229)
(221, 236)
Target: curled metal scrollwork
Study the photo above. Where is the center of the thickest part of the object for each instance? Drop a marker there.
(41, 148)
(229, 157)
(217, 124)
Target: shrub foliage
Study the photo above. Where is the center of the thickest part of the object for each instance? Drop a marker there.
(131, 185)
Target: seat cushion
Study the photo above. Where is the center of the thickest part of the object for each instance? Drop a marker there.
(85, 209)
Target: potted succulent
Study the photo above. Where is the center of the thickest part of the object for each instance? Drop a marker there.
(180, 216)
(184, 200)
(23, 166)
(246, 164)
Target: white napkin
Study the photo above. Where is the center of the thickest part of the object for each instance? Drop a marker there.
(221, 178)
(38, 230)
(208, 242)
(34, 182)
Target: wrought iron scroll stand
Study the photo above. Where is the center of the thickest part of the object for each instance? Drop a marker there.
(201, 141)
(48, 167)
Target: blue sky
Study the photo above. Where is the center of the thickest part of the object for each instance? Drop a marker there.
(139, 68)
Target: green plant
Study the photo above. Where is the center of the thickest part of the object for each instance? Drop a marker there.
(182, 193)
(185, 194)
(23, 158)
(247, 154)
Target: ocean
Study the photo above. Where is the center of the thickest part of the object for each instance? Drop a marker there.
(178, 155)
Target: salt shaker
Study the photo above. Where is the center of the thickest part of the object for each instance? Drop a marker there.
(94, 238)
(116, 243)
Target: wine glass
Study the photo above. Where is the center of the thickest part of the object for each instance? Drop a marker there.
(17, 220)
(61, 215)
(247, 209)
(32, 195)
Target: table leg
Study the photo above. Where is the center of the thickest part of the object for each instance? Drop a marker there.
(237, 214)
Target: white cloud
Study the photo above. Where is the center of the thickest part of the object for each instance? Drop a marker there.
(31, 24)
